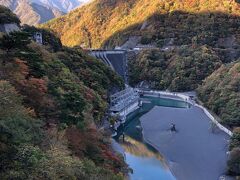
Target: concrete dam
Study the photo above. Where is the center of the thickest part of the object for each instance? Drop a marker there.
(115, 59)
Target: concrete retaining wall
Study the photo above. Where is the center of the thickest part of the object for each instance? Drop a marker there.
(179, 95)
(129, 109)
(214, 120)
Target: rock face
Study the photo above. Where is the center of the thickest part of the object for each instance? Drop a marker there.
(30, 12)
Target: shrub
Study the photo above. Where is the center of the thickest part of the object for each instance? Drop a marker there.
(234, 162)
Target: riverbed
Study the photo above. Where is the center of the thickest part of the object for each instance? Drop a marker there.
(194, 152)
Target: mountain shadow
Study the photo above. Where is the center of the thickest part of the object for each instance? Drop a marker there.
(216, 29)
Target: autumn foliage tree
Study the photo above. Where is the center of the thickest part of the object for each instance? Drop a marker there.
(14, 40)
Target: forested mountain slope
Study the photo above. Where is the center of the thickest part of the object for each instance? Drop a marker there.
(51, 99)
(181, 69)
(221, 93)
(105, 22)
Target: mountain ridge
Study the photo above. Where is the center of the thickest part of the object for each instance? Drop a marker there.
(31, 13)
(62, 5)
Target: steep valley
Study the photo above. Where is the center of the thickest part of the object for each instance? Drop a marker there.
(62, 94)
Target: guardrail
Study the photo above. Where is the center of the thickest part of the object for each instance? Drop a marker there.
(179, 95)
(108, 51)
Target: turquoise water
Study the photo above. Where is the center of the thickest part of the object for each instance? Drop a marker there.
(143, 159)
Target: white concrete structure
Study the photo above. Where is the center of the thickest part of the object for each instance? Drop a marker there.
(123, 103)
(115, 59)
(210, 116)
(123, 99)
(38, 37)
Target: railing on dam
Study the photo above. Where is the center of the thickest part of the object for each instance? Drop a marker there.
(105, 50)
(172, 95)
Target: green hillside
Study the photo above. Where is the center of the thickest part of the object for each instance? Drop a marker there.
(221, 93)
(51, 99)
(6, 16)
(181, 69)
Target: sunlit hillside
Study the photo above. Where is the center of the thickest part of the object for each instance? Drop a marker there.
(93, 24)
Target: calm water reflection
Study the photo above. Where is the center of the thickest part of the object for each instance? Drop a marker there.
(145, 163)
(144, 160)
